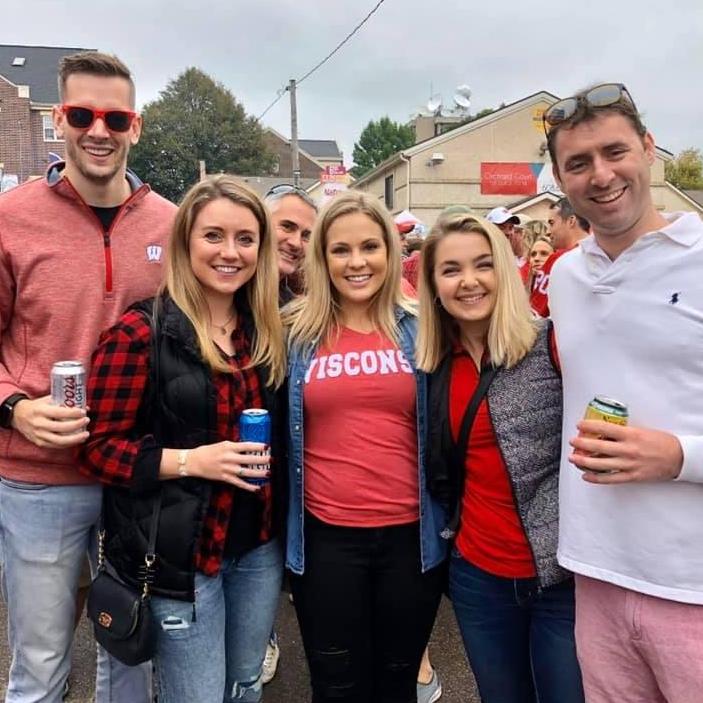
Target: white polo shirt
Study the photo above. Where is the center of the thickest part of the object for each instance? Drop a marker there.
(632, 329)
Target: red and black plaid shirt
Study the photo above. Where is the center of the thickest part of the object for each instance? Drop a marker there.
(119, 374)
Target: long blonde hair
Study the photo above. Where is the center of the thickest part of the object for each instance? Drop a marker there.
(512, 329)
(316, 315)
(261, 290)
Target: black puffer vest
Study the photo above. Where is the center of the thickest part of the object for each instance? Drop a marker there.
(178, 411)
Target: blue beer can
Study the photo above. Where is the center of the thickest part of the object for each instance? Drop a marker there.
(255, 426)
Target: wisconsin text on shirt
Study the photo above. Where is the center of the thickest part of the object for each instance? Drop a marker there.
(368, 363)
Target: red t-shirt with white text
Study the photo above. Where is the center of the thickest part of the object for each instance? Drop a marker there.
(360, 433)
(539, 297)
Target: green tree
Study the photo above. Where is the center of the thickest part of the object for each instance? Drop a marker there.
(686, 170)
(379, 140)
(196, 118)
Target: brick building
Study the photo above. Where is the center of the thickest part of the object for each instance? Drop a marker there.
(313, 154)
(28, 90)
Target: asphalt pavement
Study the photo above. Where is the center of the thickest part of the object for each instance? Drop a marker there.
(291, 682)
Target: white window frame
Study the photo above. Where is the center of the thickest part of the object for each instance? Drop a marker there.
(46, 123)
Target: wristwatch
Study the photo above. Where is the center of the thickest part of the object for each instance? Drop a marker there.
(8, 407)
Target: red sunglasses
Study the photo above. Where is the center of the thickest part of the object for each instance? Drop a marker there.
(84, 117)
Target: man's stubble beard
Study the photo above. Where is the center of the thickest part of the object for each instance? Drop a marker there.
(73, 151)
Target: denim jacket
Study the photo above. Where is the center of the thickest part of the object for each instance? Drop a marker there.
(433, 548)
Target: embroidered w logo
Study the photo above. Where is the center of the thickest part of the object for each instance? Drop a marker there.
(153, 252)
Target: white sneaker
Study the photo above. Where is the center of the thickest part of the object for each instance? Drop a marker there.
(429, 692)
(273, 652)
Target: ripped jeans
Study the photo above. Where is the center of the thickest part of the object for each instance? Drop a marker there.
(216, 656)
(365, 611)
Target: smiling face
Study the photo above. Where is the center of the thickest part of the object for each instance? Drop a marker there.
(465, 279)
(539, 253)
(603, 166)
(357, 260)
(292, 220)
(224, 248)
(96, 156)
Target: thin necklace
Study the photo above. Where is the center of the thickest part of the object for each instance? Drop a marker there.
(223, 326)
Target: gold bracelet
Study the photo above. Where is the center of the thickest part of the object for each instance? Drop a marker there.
(182, 459)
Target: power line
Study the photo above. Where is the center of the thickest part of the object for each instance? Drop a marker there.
(281, 91)
(279, 94)
(342, 43)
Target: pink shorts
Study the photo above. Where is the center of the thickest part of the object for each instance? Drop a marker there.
(635, 648)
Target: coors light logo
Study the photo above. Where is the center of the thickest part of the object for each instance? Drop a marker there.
(68, 384)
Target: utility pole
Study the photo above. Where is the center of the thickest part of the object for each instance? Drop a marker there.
(294, 133)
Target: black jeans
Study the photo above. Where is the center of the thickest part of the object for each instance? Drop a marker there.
(365, 611)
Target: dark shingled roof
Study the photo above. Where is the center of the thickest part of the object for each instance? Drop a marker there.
(320, 148)
(696, 195)
(39, 71)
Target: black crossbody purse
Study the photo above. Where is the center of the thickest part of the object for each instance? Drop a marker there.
(120, 613)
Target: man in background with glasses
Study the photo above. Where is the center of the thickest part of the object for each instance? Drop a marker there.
(627, 305)
(76, 249)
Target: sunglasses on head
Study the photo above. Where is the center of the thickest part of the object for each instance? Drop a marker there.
(289, 188)
(603, 95)
(84, 117)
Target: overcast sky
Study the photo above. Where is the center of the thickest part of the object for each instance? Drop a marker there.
(503, 50)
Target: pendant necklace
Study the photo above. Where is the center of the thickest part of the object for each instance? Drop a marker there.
(223, 326)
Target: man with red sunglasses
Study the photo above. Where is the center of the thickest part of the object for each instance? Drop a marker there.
(76, 249)
(627, 306)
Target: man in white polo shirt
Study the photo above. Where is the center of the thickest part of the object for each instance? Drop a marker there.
(627, 305)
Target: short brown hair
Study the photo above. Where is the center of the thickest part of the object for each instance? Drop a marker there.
(586, 112)
(95, 64)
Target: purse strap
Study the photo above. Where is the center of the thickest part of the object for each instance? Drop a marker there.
(147, 571)
(488, 372)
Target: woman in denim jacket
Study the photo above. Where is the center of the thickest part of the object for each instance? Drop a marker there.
(363, 534)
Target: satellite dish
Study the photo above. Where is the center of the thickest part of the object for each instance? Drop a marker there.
(462, 96)
(434, 104)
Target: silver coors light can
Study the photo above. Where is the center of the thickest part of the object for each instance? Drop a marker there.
(68, 384)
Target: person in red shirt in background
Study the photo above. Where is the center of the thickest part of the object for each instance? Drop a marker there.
(404, 228)
(566, 230)
(411, 263)
(493, 460)
(540, 250)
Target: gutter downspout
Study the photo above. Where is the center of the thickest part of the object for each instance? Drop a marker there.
(406, 160)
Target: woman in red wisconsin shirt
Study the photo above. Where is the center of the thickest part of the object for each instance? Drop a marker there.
(363, 544)
(494, 446)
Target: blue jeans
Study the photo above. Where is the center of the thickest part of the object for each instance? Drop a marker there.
(519, 638)
(212, 650)
(45, 533)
